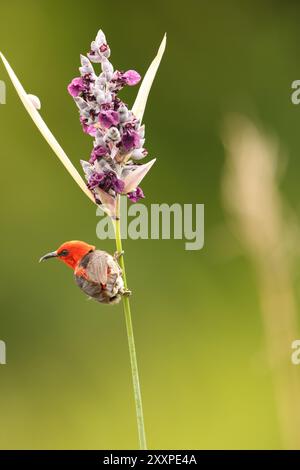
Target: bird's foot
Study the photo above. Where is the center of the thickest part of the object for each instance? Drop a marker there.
(127, 293)
(118, 254)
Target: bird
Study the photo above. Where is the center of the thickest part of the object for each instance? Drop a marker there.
(96, 272)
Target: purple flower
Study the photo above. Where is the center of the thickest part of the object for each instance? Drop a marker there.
(108, 118)
(91, 130)
(117, 82)
(98, 152)
(136, 195)
(95, 180)
(105, 106)
(106, 181)
(131, 77)
(130, 139)
(103, 48)
(120, 79)
(76, 86)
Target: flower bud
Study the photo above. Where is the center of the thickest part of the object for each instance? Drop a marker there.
(99, 140)
(139, 154)
(35, 101)
(100, 38)
(100, 81)
(123, 113)
(107, 67)
(99, 95)
(108, 97)
(113, 134)
(86, 66)
(109, 75)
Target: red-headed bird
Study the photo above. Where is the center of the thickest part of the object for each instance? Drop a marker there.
(96, 272)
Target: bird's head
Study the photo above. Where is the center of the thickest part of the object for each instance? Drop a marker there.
(70, 252)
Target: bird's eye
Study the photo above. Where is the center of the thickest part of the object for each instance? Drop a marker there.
(63, 253)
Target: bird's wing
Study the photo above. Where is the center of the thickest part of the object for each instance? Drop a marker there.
(97, 267)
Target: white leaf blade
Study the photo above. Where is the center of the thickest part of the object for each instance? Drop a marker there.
(133, 179)
(139, 106)
(44, 130)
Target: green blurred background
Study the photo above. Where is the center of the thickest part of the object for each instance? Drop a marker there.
(196, 314)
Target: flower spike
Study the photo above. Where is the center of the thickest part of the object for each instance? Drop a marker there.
(118, 135)
(117, 131)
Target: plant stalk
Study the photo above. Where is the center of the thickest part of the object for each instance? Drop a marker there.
(130, 337)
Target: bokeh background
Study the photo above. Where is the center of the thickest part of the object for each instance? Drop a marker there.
(197, 314)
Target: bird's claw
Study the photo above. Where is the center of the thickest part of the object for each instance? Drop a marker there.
(118, 254)
(127, 293)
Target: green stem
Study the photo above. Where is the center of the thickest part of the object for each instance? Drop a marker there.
(130, 336)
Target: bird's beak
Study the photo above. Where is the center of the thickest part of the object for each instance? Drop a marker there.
(53, 254)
